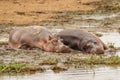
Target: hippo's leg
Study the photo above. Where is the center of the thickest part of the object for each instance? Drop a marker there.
(104, 45)
(14, 46)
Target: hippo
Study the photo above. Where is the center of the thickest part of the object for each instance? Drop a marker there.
(32, 37)
(82, 40)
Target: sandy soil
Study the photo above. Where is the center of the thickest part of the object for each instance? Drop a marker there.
(24, 12)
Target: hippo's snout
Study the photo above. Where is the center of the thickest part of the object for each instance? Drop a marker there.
(97, 50)
(63, 49)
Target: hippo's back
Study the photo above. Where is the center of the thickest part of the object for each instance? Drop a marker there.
(77, 33)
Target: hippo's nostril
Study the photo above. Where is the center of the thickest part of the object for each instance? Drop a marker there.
(97, 51)
(63, 49)
(101, 51)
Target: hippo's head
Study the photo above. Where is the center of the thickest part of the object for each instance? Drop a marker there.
(52, 44)
(94, 47)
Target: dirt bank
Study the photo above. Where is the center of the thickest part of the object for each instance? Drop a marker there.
(24, 12)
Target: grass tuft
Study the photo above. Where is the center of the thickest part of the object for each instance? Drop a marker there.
(18, 68)
(95, 60)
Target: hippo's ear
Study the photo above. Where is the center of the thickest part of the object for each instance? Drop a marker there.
(86, 47)
(49, 38)
(61, 40)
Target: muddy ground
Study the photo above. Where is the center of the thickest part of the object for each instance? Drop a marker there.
(23, 12)
(92, 15)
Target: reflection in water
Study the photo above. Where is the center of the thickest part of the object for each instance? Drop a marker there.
(103, 73)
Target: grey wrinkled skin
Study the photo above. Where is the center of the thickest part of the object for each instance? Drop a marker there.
(26, 36)
(39, 38)
(82, 40)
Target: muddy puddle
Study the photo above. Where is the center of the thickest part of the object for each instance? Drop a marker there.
(98, 16)
(99, 20)
(111, 38)
(101, 73)
(95, 20)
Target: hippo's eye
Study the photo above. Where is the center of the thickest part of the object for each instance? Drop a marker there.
(55, 40)
(85, 48)
(54, 43)
(95, 42)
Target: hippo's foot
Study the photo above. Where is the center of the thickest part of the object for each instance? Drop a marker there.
(12, 49)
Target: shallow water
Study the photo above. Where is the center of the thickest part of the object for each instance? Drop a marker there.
(101, 73)
(94, 20)
(101, 16)
(111, 38)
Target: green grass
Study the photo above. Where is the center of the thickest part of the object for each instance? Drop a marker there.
(102, 60)
(18, 68)
(69, 61)
(111, 45)
(13, 67)
(118, 5)
(49, 61)
(95, 60)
